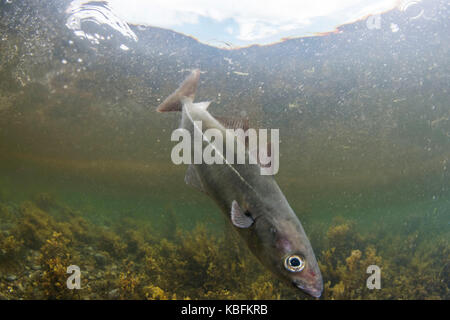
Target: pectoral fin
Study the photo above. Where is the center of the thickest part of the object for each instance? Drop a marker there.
(238, 217)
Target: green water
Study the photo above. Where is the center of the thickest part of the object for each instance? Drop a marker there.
(365, 144)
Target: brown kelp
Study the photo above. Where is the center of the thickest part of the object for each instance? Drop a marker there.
(127, 259)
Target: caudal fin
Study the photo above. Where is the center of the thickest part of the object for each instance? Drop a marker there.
(186, 90)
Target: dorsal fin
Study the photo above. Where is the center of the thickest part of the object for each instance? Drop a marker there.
(233, 123)
(187, 89)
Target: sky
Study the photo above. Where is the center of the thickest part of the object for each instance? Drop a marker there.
(236, 23)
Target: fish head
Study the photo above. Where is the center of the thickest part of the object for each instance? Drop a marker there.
(286, 251)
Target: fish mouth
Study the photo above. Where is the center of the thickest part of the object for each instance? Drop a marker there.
(314, 292)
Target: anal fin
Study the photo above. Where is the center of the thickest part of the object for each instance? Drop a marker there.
(192, 178)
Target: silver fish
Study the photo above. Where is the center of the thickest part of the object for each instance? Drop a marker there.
(253, 203)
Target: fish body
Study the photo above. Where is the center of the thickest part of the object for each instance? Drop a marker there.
(252, 202)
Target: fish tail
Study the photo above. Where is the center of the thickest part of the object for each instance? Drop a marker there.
(187, 90)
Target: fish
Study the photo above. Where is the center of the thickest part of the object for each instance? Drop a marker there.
(253, 203)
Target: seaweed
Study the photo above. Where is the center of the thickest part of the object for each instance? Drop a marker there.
(130, 260)
(55, 257)
(10, 247)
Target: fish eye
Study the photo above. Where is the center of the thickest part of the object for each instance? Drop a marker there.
(294, 263)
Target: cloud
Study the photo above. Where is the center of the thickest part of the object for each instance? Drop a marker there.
(256, 21)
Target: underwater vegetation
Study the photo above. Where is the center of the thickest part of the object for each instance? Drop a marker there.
(407, 272)
(127, 259)
(362, 111)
